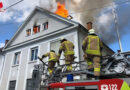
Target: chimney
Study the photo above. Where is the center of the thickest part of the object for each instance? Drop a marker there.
(89, 25)
(6, 41)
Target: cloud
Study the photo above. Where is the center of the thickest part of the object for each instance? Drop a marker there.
(2, 45)
(19, 12)
(105, 23)
(104, 18)
(23, 17)
(5, 16)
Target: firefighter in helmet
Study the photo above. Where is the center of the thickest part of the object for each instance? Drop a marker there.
(68, 48)
(92, 50)
(52, 60)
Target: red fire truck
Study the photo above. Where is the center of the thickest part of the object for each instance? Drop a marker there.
(106, 84)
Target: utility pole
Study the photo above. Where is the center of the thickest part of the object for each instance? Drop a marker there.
(116, 25)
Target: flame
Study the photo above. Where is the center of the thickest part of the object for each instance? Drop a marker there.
(61, 10)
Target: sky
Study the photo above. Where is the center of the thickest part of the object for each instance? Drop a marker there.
(12, 18)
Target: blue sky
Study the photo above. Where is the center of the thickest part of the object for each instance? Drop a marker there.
(15, 17)
(7, 30)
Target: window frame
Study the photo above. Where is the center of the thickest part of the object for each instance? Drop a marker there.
(34, 58)
(27, 32)
(16, 61)
(39, 28)
(44, 24)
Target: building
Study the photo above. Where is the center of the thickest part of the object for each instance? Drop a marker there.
(1, 62)
(39, 34)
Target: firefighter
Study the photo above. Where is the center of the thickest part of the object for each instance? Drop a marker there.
(92, 50)
(52, 60)
(68, 48)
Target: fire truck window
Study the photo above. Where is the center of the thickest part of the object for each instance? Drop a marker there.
(36, 29)
(45, 26)
(28, 32)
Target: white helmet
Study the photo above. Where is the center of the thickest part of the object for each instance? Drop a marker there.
(62, 38)
(91, 31)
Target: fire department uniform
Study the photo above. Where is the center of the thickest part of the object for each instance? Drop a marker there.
(68, 48)
(52, 61)
(91, 47)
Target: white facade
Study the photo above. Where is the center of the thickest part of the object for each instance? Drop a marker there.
(1, 64)
(21, 46)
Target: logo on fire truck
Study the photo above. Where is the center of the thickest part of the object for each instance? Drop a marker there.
(104, 87)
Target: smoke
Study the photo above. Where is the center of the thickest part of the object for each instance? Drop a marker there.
(100, 13)
(50, 5)
(105, 24)
(97, 11)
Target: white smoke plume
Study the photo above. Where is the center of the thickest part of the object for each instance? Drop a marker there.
(105, 24)
(100, 13)
(83, 11)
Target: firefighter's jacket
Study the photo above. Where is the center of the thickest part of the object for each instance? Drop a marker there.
(92, 45)
(52, 56)
(67, 47)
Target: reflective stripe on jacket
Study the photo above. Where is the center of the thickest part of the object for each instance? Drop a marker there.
(93, 45)
(67, 47)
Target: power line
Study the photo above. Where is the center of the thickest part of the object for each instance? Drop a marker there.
(13, 4)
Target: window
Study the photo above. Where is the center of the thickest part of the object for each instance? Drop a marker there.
(28, 32)
(34, 53)
(12, 85)
(36, 29)
(30, 85)
(16, 58)
(45, 26)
